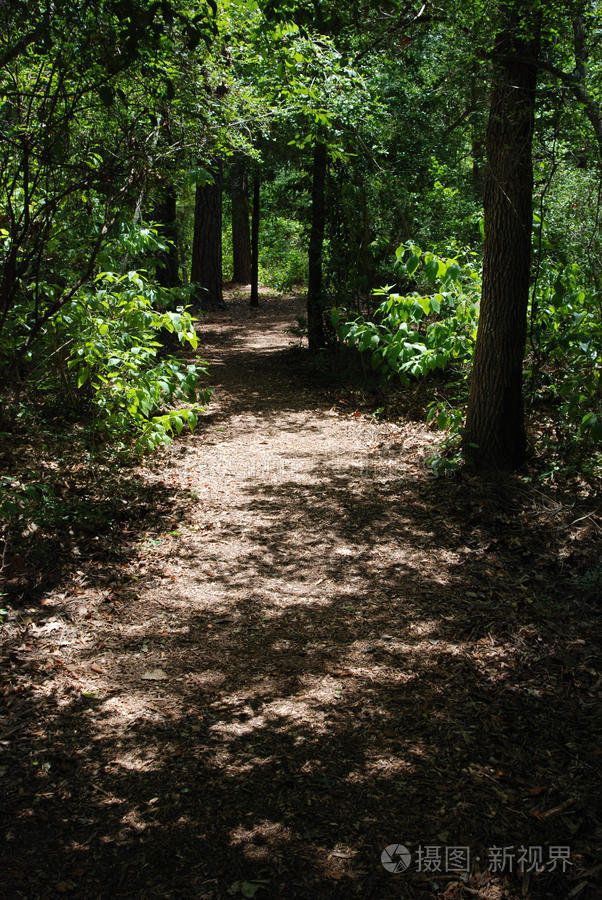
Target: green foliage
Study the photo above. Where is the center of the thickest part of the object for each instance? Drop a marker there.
(283, 254)
(79, 139)
(448, 211)
(103, 349)
(112, 328)
(413, 334)
(565, 362)
(107, 106)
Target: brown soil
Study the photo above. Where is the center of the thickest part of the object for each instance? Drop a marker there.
(283, 645)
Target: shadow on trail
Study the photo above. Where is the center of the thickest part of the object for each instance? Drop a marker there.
(88, 528)
(304, 731)
(378, 664)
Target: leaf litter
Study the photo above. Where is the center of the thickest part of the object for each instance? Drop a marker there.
(282, 645)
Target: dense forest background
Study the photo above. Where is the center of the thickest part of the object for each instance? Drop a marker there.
(300, 445)
(389, 151)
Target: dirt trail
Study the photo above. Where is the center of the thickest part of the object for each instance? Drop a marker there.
(314, 651)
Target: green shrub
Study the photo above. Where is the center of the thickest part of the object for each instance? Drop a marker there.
(283, 253)
(115, 360)
(411, 335)
(566, 342)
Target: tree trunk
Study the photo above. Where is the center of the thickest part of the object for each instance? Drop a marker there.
(241, 235)
(365, 258)
(495, 430)
(315, 324)
(165, 215)
(206, 263)
(477, 142)
(255, 241)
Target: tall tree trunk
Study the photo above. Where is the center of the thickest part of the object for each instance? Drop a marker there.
(255, 241)
(165, 215)
(206, 262)
(477, 142)
(365, 257)
(495, 429)
(315, 324)
(241, 235)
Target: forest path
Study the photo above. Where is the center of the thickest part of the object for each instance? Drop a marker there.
(306, 648)
(289, 477)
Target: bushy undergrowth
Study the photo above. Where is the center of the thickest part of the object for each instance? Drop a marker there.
(564, 366)
(102, 362)
(102, 352)
(434, 327)
(113, 328)
(283, 254)
(412, 334)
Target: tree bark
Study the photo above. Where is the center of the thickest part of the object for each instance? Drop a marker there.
(206, 262)
(255, 241)
(477, 142)
(495, 430)
(241, 235)
(315, 324)
(165, 214)
(365, 257)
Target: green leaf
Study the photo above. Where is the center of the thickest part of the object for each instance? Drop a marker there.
(432, 268)
(364, 341)
(593, 424)
(412, 263)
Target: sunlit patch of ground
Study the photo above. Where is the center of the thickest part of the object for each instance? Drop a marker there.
(292, 647)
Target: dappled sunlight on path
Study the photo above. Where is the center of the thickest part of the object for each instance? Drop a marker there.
(320, 650)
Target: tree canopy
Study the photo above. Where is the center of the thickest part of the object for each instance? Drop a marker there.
(300, 448)
(115, 113)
